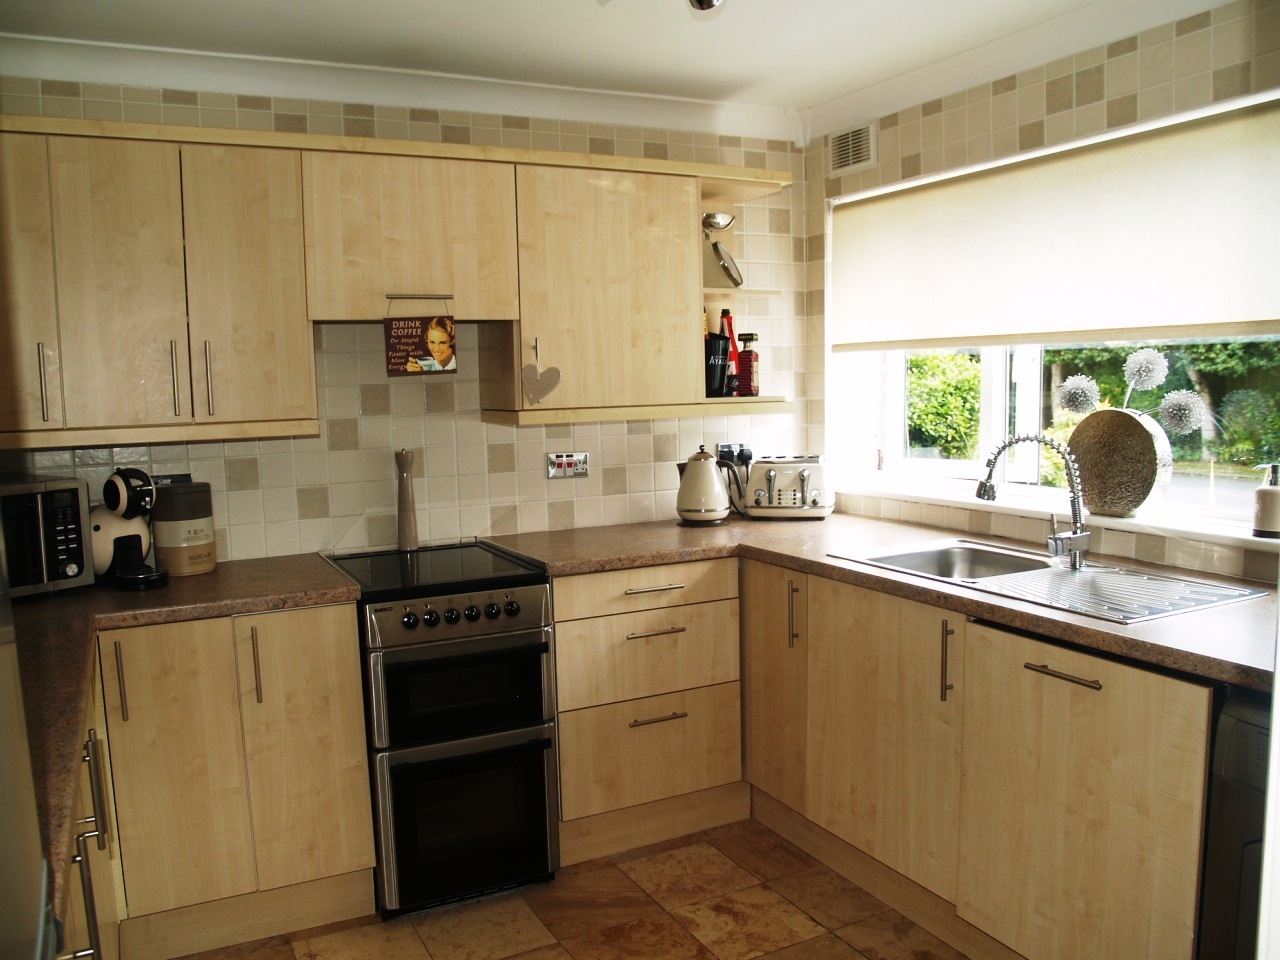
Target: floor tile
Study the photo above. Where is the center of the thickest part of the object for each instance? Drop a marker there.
(826, 947)
(755, 847)
(891, 936)
(491, 929)
(585, 901)
(828, 897)
(658, 937)
(394, 940)
(553, 952)
(687, 874)
(273, 948)
(747, 923)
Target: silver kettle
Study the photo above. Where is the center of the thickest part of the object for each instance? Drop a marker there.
(703, 498)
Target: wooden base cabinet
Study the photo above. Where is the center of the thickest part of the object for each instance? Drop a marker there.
(775, 645)
(1082, 801)
(884, 682)
(237, 754)
(647, 685)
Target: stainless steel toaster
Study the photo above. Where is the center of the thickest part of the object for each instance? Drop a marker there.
(787, 488)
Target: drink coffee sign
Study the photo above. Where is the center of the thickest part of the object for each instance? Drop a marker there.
(418, 345)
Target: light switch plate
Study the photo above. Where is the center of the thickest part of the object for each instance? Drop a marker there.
(563, 466)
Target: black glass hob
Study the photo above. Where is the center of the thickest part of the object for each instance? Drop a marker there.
(437, 570)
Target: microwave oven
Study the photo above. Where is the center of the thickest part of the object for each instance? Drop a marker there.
(44, 534)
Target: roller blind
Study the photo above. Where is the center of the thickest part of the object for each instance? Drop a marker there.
(1170, 231)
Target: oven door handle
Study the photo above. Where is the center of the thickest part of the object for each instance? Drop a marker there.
(538, 642)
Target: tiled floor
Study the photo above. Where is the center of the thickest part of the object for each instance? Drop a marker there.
(733, 893)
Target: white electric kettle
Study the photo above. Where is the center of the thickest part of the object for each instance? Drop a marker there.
(703, 498)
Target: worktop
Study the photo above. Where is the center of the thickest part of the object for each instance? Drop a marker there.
(1234, 643)
(57, 642)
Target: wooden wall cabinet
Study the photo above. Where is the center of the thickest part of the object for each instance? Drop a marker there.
(647, 685)
(381, 225)
(610, 288)
(179, 291)
(29, 354)
(237, 754)
(1082, 801)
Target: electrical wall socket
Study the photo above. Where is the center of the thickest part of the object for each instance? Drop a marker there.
(562, 466)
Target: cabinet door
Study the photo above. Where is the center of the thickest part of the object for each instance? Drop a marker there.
(883, 750)
(379, 225)
(304, 741)
(177, 764)
(251, 346)
(775, 648)
(610, 285)
(122, 311)
(1081, 806)
(32, 399)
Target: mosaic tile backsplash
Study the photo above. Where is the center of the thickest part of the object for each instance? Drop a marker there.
(337, 491)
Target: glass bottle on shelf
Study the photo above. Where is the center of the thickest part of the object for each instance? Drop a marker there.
(748, 367)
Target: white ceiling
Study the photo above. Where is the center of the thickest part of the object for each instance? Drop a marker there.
(799, 66)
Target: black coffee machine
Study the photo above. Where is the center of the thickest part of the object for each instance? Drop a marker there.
(122, 533)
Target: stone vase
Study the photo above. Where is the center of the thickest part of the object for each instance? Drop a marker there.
(1122, 456)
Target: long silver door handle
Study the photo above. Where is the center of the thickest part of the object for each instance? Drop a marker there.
(1058, 675)
(792, 635)
(90, 907)
(257, 664)
(173, 367)
(631, 591)
(947, 633)
(208, 375)
(97, 789)
(124, 698)
(677, 715)
(656, 633)
(44, 393)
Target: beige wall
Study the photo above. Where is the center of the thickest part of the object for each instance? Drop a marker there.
(282, 496)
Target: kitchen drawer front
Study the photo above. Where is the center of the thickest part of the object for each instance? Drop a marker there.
(632, 655)
(644, 588)
(623, 754)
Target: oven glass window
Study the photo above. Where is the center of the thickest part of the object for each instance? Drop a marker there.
(466, 825)
(428, 701)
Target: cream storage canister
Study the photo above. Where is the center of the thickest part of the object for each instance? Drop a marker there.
(182, 529)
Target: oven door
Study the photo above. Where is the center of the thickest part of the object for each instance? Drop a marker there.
(451, 689)
(455, 820)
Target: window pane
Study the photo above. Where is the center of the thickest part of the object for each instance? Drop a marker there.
(944, 389)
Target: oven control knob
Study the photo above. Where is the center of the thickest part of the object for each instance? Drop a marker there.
(452, 616)
(492, 611)
(431, 618)
(512, 608)
(472, 613)
(409, 620)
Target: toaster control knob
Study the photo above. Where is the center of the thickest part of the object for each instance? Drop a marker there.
(452, 616)
(492, 611)
(409, 621)
(815, 497)
(71, 569)
(472, 613)
(431, 618)
(511, 608)
(759, 498)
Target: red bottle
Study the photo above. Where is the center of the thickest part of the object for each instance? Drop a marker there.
(748, 367)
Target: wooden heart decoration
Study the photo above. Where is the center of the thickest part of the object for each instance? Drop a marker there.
(538, 383)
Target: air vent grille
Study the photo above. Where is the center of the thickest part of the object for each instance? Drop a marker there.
(850, 150)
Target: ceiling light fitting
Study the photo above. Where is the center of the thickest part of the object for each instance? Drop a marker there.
(704, 4)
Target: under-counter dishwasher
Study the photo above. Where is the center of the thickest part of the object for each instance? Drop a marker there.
(1231, 883)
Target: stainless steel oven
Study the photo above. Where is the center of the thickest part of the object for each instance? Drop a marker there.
(459, 656)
